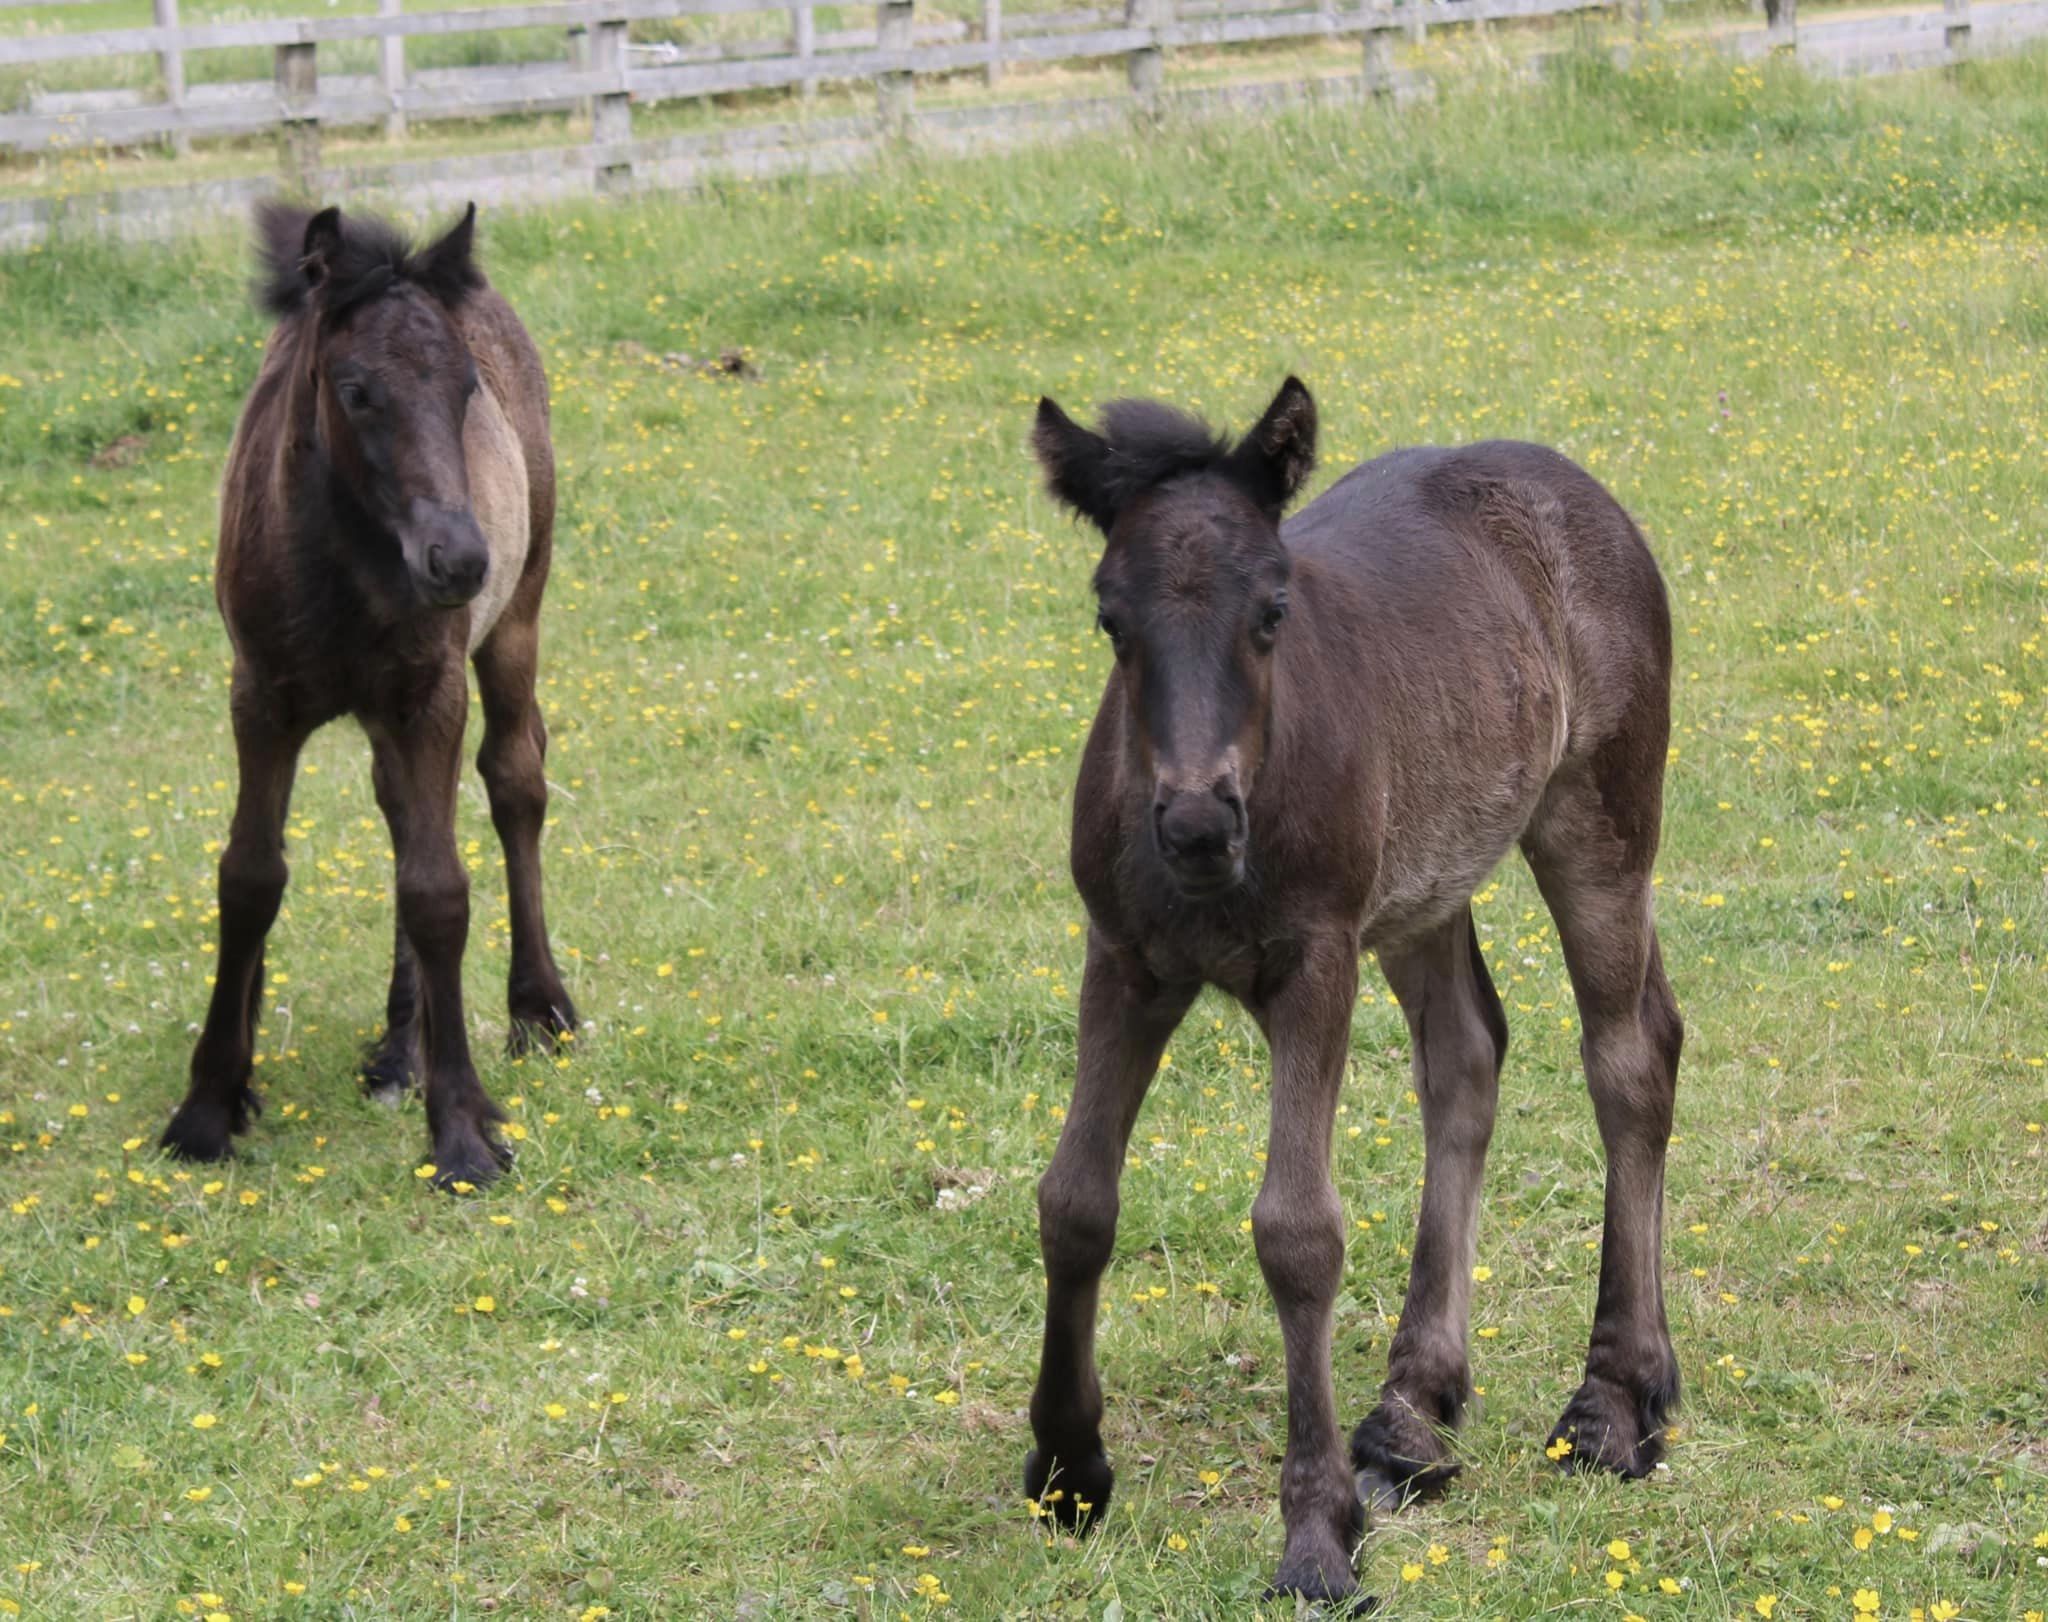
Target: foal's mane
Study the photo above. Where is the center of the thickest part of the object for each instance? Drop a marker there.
(1151, 443)
(369, 256)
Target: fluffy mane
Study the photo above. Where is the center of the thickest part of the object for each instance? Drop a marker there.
(360, 257)
(1142, 444)
(1150, 443)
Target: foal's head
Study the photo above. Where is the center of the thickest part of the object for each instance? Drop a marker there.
(392, 381)
(1192, 593)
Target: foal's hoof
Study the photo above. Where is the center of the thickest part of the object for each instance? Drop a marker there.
(1074, 1494)
(207, 1131)
(543, 1024)
(1607, 1427)
(1324, 1579)
(469, 1159)
(1343, 1601)
(1398, 1459)
(388, 1074)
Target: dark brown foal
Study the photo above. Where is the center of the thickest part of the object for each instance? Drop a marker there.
(388, 514)
(1321, 738)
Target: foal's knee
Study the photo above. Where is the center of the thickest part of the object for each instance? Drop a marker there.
(1076, 1225)
(252, 880)
(512, 772)
(433, 905)
(1300, 1241)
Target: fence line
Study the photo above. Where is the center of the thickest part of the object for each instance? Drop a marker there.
(600, 66)
(608, 77)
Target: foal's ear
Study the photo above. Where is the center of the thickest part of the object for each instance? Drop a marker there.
(322, 244)
(1275, 459)
(1076, 464)
(447, 268)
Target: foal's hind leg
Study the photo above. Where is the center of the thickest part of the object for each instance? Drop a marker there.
(511, 760)
(394, 1063)
(1459, 1037)
(1591, 853)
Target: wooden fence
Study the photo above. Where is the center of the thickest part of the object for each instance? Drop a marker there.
(605, 72)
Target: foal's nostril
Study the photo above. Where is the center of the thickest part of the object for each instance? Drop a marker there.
(437, 566)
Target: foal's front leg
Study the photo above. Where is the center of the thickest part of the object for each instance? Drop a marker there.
(1126, 1018)
(417, 765)
(219, 1101)
(1298, 1227)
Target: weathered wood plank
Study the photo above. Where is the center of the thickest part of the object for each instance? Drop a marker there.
(324, 30)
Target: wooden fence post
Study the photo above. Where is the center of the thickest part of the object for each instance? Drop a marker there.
(1147, 62)
(894, 23)
(803, 28)
(1418, 23)
(298, 86)
(391, 71)
(1379, 62)
(1955, 32)
(579, 62)
(1781, 22)
(992, 31)
(171, 64)
(611, 109)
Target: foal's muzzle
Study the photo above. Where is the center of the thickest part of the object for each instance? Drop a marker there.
(1201, 837)
(447, 554)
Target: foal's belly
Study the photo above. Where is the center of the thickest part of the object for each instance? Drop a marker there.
(1442, 838)
(1418, 891)
(501, 500)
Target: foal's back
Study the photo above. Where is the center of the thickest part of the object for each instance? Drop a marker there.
(1503, 621)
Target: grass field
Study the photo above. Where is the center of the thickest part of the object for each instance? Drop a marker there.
(750, 1329)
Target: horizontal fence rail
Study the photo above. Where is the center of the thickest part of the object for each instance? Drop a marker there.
(600, 61)
(603, 74)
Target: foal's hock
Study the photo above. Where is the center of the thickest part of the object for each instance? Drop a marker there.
(1318, 738)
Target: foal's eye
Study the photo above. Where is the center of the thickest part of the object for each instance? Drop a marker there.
(353, 397)
(1269, 621)
(1109, 628)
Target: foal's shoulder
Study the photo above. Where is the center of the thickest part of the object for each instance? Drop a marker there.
(505, 352)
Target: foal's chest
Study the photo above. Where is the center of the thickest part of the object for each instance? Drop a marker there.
(1214, 943)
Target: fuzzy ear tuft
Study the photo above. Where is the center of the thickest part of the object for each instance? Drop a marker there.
(286, 238)
(1275, 458)
(448, 268)
(320, 246)
(1076, 464)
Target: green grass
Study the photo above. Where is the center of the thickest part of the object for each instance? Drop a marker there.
(818, 662)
